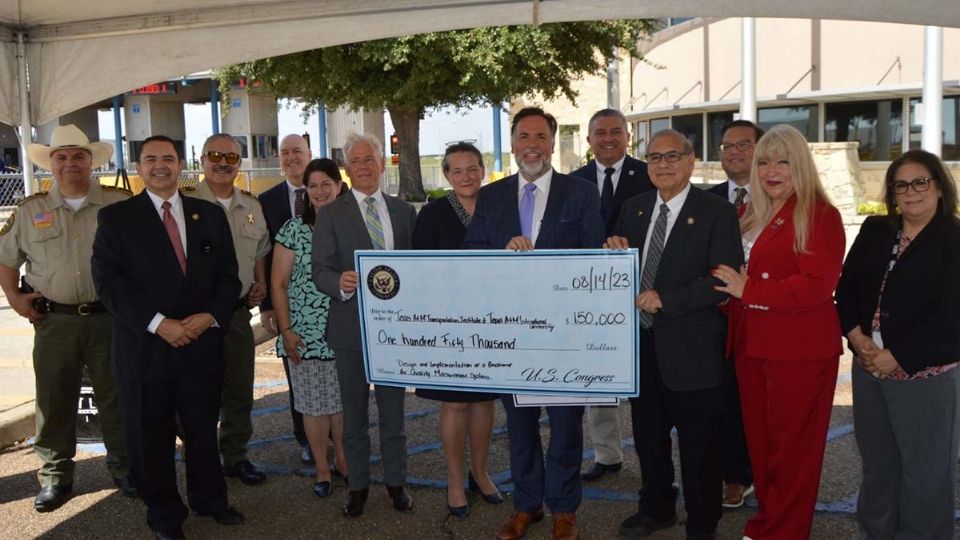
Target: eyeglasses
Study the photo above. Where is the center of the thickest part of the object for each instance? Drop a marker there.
(231, 157)
(670, 157)
(918, 184)
(742, 146)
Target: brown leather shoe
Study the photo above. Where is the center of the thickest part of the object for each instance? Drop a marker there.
(565, 526)
(516, 526)
(735, 494)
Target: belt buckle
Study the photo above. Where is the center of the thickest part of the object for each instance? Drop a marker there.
(83, 310)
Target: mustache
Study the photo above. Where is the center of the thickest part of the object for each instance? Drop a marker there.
(223, 169)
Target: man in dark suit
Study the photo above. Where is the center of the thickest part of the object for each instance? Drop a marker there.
(539, 208)
(617, 177)
(738, 139)
(165, 268)
(682, 233)
(366, 218)
(281, 202)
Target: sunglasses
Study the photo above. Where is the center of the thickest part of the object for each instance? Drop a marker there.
(231, 157)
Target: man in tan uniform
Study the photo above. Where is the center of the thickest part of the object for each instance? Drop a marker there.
(221, 163)
(53, 234)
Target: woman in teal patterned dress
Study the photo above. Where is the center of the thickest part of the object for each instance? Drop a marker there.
(301, 312)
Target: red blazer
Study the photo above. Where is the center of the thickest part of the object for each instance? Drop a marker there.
(787, 310)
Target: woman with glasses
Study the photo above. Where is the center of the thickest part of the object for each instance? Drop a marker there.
(301, 312)
(442, 224)
(784, 331)
(899, 304)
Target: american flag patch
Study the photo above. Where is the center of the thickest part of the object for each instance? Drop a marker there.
(42, 220)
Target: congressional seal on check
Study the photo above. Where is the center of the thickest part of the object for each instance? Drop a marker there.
(556, 323)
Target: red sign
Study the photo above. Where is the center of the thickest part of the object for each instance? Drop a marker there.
(157, 89)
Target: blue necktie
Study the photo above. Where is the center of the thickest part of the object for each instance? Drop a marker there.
(526, 210)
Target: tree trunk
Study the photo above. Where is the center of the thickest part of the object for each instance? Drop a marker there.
(406, 122)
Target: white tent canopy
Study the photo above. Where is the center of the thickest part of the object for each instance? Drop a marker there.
(79, 53)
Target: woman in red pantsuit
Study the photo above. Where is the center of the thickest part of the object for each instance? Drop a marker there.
(785, 332)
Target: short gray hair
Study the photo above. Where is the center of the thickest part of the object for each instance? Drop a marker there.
(355, 138)
(220, 137)
(687, 145)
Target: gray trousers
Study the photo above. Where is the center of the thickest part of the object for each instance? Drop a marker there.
(908, 433)
(604, 424)
(355, 396)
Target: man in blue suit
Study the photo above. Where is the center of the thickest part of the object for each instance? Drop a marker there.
(539, 208)
(281, 202)
(617, 177)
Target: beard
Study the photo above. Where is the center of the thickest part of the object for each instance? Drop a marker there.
(533, 169)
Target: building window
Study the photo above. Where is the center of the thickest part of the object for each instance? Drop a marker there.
(876, 125)
(570, 156)
(640, 136)
(691, 126)
(716, 121)
(803, 117)
(658, 124)
(950, 151)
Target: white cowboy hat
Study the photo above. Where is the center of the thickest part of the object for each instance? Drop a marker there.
(69, 136)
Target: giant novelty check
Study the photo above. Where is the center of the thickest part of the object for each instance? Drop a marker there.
(541, 322)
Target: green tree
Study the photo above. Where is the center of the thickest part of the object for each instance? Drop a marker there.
(412, 74)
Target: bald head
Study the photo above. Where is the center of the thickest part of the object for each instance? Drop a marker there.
(294, 156)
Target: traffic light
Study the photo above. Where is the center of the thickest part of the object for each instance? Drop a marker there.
(394, 144)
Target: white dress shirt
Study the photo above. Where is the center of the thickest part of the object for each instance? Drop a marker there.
(385, 224)
(292, 197)
(675, 205)
(615, 177)
(732, 192)
(539, 199)
(176, 209)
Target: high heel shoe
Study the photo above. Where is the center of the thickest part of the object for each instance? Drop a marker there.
(492, 498)
(322, 489)
(459, 511)
(335, 473)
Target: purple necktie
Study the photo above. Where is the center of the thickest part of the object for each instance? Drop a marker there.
(526, 210)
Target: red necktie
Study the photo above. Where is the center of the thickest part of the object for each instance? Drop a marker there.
(170, 224)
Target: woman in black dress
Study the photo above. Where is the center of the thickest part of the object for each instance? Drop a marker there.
(442, 224)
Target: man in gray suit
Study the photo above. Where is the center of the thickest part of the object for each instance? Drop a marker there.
(366, 218)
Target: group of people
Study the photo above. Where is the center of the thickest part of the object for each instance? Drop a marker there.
(740, 334)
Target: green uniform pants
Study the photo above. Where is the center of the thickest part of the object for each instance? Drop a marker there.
(62, 345)
(236, 426)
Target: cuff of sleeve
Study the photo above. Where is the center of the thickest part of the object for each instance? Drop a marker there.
(346, 296)
(154, 323)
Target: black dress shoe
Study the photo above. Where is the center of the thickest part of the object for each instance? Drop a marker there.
(599, 469)
(227, 515)
(459, 511)
(172, 534)
(491, 498)
(126, 486)
(402, 501)
(306, 456)
(641, 526)
(355, 501)
(322, 489)
(52, 497)
(247, 472)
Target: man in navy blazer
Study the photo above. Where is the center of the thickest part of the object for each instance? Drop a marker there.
(737, 140)
(164, 266)
(539, 208)
(279, 205)
(617, 177)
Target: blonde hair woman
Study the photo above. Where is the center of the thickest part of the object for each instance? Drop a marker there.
(784, 330)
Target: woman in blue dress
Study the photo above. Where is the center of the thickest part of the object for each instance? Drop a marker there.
(442, 224)
(301, 312)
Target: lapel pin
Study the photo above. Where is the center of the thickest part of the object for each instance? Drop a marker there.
(250, 217)
(196, 217)
(779, 222)
(631, 172)
(640, 212)
(690, 221)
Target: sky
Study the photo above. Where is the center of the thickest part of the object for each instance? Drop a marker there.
(436, 130)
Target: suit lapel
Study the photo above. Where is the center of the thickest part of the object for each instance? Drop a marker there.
(191, 217)
(643, 222)
(395, 223)
(551, 214)
(511, 212)
(155, 233)
(686, 221)
(355, 215)
(780, 223)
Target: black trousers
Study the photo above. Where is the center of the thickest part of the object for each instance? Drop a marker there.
(297, 418)
(152, 410)
(696, 415)
(736, 460)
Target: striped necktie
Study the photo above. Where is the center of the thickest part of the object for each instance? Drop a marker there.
(372, 218)
(649, 274)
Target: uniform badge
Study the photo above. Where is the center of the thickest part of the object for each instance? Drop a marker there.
(8, 225)
(43, 220)
(690, 221)
(250, 218)
(195, 217)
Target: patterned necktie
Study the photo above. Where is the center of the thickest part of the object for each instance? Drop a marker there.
(653, 260)
(526, 210)
(606, 196)
(299, 202)
(740, 200)
(372, 218)
(170, 224)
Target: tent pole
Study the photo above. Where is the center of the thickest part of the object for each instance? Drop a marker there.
(932, 137)
(748, 69)
(25, 128)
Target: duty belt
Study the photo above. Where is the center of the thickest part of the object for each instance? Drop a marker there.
(82, 310)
